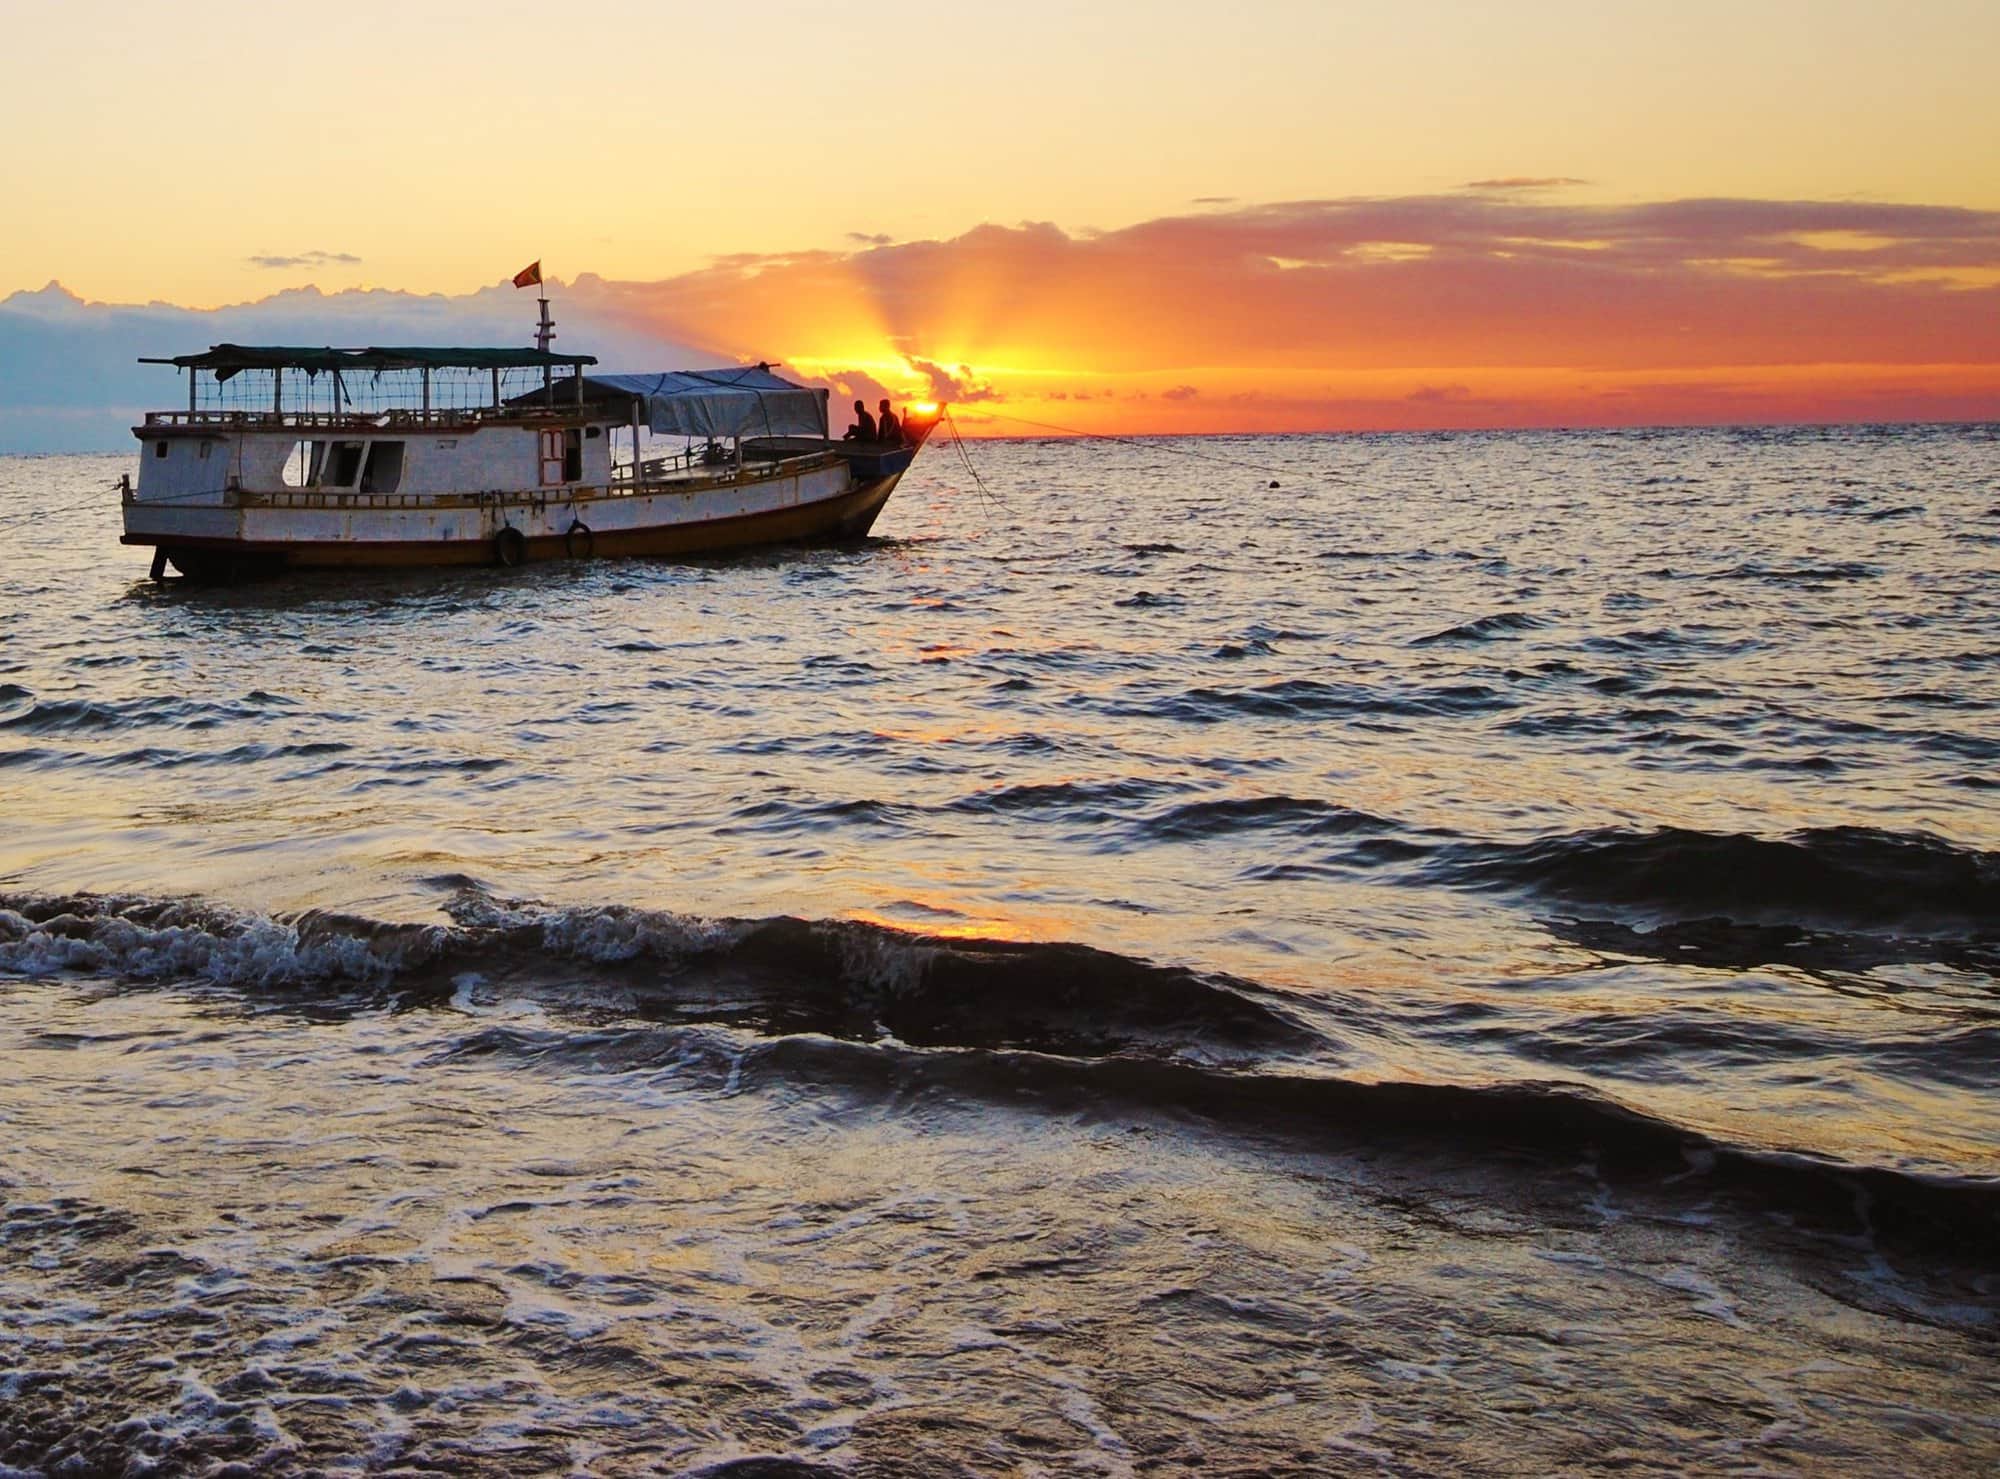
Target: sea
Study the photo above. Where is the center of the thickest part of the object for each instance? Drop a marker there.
(1324, 954)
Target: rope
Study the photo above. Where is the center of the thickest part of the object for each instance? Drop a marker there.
(62, 506)
(958, 441)
(85, 500)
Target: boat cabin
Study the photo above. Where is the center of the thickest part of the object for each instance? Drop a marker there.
(382, 422)
(388, 425)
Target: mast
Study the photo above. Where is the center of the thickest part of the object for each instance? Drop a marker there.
(545, 332)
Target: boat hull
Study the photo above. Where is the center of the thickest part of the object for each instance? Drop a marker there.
(223, 543)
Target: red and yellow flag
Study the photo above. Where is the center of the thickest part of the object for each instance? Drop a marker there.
(531, 275)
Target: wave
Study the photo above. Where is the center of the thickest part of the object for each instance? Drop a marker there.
(173, 940)
(1298, 816)
(77, 715)
(1065, 1026)
(1484, 629)
(1489, 1123)
(841, 978)
(1724, 944)
(1801, 574)
(1308, 698)
(1110, 804)
(781, 818)
(1074, 801)
(1840, 876)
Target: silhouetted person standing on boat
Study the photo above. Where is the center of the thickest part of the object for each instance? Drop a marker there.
(863, 429)
(888, 429)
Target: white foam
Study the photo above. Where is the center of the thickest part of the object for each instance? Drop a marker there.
(463, 987)
(877, 958)
(605, 933)
(227, 949)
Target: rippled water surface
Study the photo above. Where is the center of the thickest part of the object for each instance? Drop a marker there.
(1305, 955)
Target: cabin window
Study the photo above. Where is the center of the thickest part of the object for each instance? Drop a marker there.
(572, 456)
(384, 473)
(345, 464)
(551, 456)
(302, 464)
(159, 449)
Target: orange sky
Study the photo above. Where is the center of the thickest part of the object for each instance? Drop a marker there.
(1123, 216)
(1483, 307)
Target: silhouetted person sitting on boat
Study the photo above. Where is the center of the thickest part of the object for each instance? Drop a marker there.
(889, 430)
(863, 429)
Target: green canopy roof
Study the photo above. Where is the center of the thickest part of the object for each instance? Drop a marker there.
(228, 359)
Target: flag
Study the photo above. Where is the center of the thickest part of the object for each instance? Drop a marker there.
(531, 274)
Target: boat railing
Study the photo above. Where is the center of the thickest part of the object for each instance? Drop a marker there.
(678, 464)
(685, 471)
(352, 420)
(715, 461)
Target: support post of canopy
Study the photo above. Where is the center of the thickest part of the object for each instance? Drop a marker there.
(192, 372)
(496, 387)
(636, 460)
(278, 391)
(427, 394)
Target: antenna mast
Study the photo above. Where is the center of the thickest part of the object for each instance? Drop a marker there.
(544, 332)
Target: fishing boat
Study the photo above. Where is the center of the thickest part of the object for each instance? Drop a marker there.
(287, 457)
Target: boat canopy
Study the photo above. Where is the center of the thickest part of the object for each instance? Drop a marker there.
(739, 401)
(231, 359)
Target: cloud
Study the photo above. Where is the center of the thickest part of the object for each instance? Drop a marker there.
(70, 381)
(1524, 182)
(863, 238)
(849, 386)
(1502, 307)
(315, 258)
(1215, 200)
(960, 388)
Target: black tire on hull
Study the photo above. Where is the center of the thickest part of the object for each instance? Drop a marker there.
(578, 542)
(510, 547)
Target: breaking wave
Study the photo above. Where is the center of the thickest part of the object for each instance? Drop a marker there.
(842, 978)
(1068, 1027)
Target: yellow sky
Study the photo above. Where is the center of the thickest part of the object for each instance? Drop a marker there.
(156, 149)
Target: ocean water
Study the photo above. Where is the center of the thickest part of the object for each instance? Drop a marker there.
(1321, 954)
